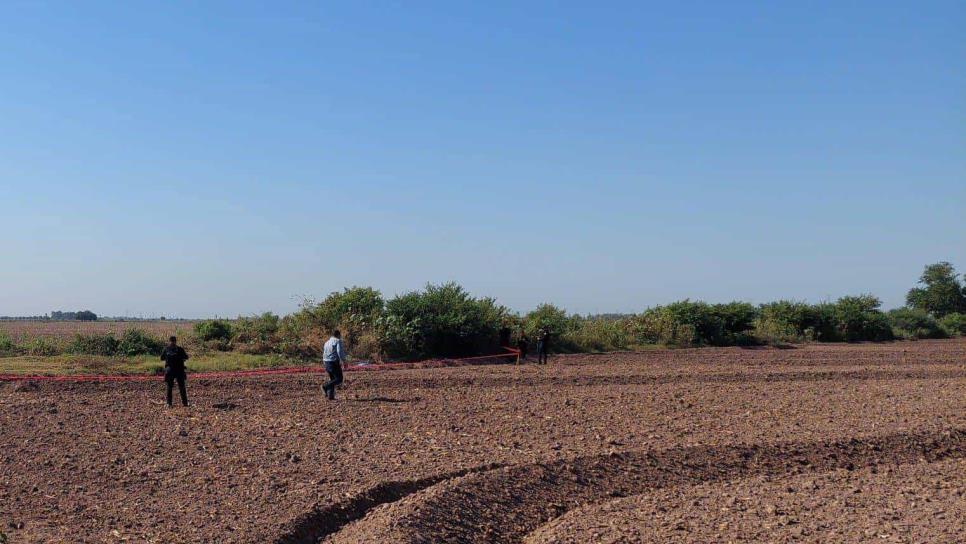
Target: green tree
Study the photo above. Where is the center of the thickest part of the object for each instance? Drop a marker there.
(359, 304)
(954, 324)
(547, 316)
(915, 323)
(942, 292)
(444, 320)
(859, 318)
(213, 329)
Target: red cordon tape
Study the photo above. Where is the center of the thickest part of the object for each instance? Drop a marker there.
(432, 363)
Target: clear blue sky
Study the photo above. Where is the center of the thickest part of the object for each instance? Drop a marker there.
(202, 158)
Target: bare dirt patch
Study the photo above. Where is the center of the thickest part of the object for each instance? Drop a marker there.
(268, 460)
(918, 502)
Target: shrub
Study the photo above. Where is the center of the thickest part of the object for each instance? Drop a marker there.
(954, 324)
(687, 323)
(397, 337)
(257, 335)
(39, 346)
(914, 323)
(659, 325)
(355, 311)
(941, 293)
(213, 329)
(449, 321)
(93, 344)
(362, 305)
(737, 320)
(367, 347)
(7, 347)
(858, 318)
(596, 334)
(138, 342)
(790, 321)
(547, 316)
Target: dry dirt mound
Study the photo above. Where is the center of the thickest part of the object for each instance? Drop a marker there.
(924, 502)
(506, 504)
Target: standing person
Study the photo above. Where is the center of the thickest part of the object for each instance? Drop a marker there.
(174, 357)
(543, 345)
(333, 357)
(523, 344)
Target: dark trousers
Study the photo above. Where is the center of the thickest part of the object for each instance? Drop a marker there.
(335, 378)
(180, 377)
(542, 350)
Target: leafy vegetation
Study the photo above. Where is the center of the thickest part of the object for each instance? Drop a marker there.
(942, 292)
(93, 344)
(446, 321)
(139, 342)
(913, 323)
(213, 329)
(954, 324)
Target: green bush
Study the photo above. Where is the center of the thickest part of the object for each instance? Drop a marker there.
(137, 342)
(355, 311)
(687, 323)
(737, 321)
(40, 346)
(361, 305)
(397, 337)
(257, 335)
(858, 318)
(789, 321)
(447, 320)
(7, 346)
(550, 317)
(941, 293)
(954, 324)
(596, 334)
(213, 329)
(93, 344)
(914, 323)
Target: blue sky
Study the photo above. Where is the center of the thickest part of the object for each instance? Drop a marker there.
(221, 158)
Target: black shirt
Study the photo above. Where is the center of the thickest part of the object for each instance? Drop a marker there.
(174, 358)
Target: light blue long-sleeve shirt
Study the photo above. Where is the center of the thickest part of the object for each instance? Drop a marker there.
(333, 351)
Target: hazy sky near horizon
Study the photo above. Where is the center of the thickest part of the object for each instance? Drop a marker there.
(223, 158)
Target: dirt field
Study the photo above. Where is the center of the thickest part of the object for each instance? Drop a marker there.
(830, 443)
(59, 330)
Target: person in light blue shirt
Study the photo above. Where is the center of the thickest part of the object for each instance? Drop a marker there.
(333, 357)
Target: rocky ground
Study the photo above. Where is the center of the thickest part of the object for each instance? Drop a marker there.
(833, 443)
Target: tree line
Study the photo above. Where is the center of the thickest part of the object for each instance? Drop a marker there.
(447, 321)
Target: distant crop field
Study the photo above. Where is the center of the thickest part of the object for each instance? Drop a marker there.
(22, 330)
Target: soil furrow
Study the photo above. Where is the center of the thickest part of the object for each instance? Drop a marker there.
(672, 379)
(505, 505)
(323, 521)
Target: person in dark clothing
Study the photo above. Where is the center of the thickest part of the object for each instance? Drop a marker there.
(543, 345)
(523, 344)
(174, 357)
(333, 356)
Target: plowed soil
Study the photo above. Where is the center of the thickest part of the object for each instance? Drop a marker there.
(834, 443)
